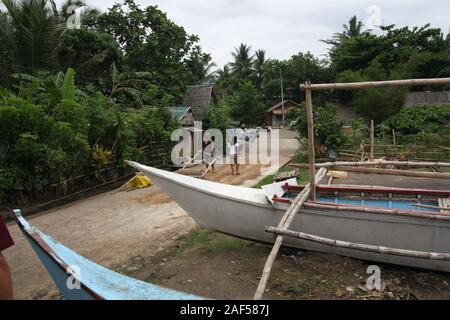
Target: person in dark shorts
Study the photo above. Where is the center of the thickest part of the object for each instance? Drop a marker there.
(6, 288)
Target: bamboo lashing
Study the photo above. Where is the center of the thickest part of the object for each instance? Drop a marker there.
(362, 247)
(284, 224)
(374, 84)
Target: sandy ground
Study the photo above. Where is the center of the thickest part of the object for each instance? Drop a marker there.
(116, 229)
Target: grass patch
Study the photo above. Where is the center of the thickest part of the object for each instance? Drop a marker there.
(303, 177)
(210, 241)
(196, 238)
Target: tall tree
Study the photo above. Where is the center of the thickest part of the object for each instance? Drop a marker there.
(242, 66)
(353, 29)
(153, 43)
(258, 67)
(29, 33)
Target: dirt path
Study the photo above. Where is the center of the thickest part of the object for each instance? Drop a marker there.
(115, 229)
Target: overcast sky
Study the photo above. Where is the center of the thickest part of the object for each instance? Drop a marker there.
(286, 27)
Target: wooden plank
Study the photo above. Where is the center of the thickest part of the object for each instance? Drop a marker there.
(359, 246)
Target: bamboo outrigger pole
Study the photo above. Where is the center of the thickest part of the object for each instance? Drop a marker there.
(359, 246)
(411, 164)
(285, 224)
(374, 84)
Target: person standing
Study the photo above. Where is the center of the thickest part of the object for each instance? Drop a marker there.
(213, 151)
(6, 287)
(234, 150)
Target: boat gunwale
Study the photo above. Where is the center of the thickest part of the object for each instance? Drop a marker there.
(204, 190)
(34, 235)
(388, 211)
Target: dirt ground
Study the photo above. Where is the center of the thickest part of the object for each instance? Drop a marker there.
(116, 229)
(216, 266)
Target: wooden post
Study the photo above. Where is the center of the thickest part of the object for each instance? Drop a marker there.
(393, 138)
(372, 141)
(311, 151)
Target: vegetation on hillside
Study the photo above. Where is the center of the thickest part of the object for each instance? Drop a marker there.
(82, 100)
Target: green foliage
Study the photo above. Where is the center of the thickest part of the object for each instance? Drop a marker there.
(43, 145)
(327, 125)
(89, 53)
(219, 117)
(248, 104)
(373, 104)
(68, 87)
(153, 43)
(430, 119)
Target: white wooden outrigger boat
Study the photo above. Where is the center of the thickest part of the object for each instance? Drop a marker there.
(412, 227)
(404, 222)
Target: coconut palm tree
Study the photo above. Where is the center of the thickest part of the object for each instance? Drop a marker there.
(29, 33)
(353, 29)
(209, 75)
(242, 66)
(30, 30)
(258, 66)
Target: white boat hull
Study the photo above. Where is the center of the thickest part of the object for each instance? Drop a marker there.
(245, 212)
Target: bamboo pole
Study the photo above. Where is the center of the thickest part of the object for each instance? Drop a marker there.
(394, 172)
(359, 246)
(372, 140)
(391, 212)
(374, 84)
(285, 223)
(311, 151)
(377, 163)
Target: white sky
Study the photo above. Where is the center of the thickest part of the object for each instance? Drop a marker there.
(286, 27)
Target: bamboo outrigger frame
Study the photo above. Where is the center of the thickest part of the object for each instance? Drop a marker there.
(310, 191)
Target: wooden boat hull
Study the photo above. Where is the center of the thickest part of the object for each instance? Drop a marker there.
(77, 278)
(245, 212)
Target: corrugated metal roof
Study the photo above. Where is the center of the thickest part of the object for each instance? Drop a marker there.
(178, 112)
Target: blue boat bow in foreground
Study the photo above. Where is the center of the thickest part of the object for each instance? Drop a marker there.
(81, 279)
